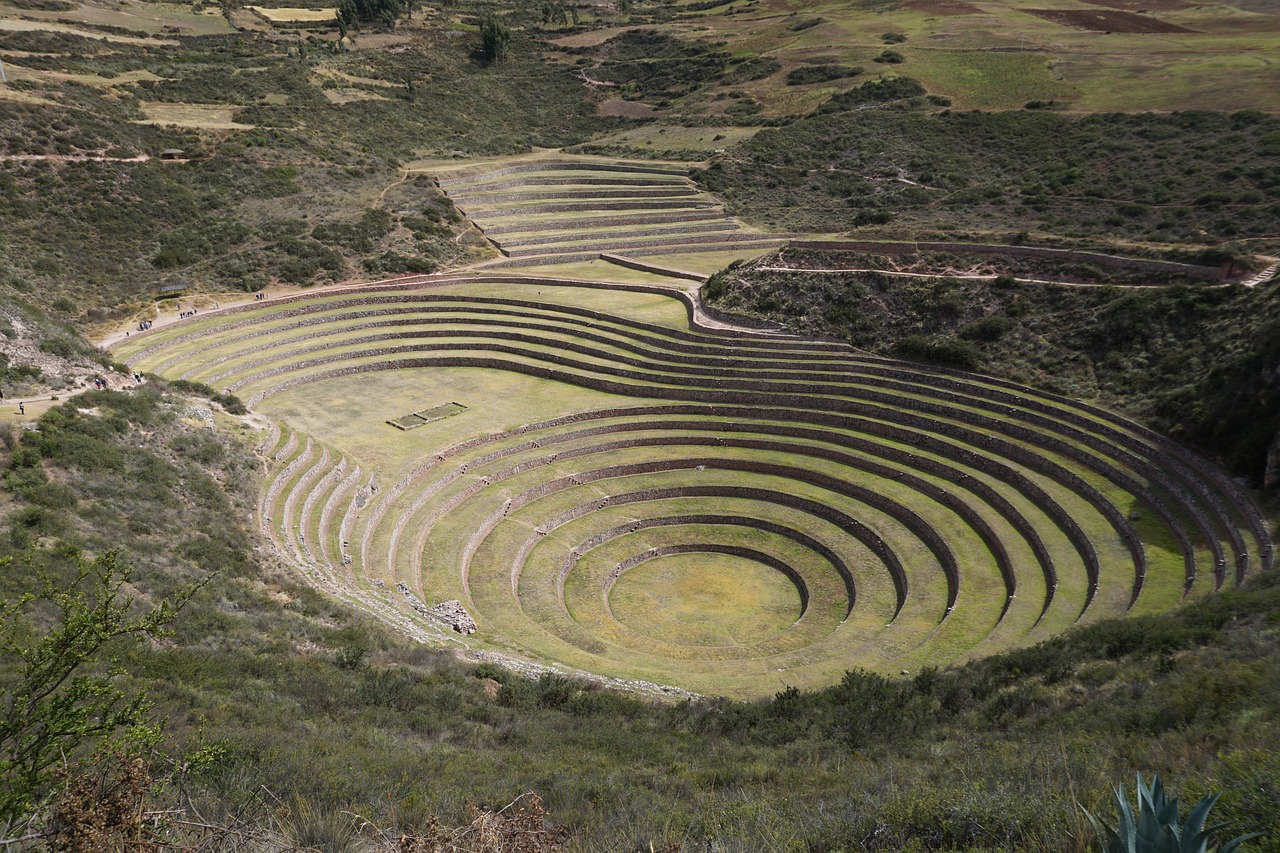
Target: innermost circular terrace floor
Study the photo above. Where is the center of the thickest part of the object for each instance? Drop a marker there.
(704, 599)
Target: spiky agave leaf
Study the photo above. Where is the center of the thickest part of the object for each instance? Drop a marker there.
(1156, 828)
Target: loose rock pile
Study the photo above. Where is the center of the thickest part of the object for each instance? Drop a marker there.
(451, 613)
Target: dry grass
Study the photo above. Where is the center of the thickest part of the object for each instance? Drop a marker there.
(23, 25)
(295, 15)
(209, 116)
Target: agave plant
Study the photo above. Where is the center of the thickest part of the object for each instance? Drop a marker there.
(1155, 828)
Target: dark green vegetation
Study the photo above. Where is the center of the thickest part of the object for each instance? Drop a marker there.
(1155, 826)
(1193, 176)
(1196, 362)
(821, 73)
(264, 682)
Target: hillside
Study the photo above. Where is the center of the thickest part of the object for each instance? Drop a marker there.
(641, 425)
(263, 682)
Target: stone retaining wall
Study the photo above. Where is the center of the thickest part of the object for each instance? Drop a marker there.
(589, 222)
(559, 241)
(480, 197)
(585, 206)
(670, 272)
(564, 166)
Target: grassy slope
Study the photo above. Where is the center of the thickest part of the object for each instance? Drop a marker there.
(266, 683)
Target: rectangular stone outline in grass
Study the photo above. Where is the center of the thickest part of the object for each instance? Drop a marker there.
(426, 416)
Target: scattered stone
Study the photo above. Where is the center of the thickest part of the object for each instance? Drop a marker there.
(451, 613)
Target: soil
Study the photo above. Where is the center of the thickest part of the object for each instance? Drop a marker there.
(625, 109)
(1141, 5)
(1107, 21)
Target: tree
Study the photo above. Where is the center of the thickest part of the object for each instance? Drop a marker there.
(57, 695)
(495, 35)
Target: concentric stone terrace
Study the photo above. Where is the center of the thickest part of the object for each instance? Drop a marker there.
(541, 211)
(631, 494)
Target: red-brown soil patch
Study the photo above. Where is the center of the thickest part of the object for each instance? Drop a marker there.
(625, 109)
(1141, 5)
(942, 7)
(1107, 21)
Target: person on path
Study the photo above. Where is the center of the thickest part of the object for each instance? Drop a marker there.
(22, 408)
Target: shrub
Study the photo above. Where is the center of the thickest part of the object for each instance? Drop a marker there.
(53, 703)
(890, 57)
(988, 329)
(806, 74)
(945, 351)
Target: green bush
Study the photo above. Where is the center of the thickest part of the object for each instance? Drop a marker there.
(988, 329)
(806, 74)
(945, 351)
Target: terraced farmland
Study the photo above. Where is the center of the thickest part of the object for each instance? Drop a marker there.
(632, 495)
(543, 211)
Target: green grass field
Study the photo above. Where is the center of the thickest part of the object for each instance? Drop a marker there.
(628, 497)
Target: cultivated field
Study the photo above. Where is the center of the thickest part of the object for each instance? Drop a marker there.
(554, 210)
(726, 511)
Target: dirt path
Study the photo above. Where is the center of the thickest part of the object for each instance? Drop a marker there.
(72, 158)
(1260, 277)
(37, 404)
(382, 196)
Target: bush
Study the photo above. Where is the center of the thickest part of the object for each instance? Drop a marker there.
(945, 351)
(988, 329)
(874, 92)
(806, 74)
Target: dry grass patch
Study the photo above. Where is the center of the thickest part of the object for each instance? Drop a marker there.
(295, 15)
(211, 116)
(153, 18)
(625, 109)
(23, 25)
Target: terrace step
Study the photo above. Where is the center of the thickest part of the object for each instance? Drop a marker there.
(571, 194)
(901, 489)
(567, 166)
(591, 236)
